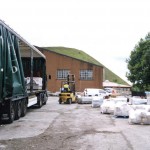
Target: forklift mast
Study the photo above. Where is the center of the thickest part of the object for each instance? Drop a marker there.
(71, 82)
(70, 78)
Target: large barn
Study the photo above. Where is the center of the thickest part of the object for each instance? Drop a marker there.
(88, 72)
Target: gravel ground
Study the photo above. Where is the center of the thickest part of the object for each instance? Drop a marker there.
(73, 127)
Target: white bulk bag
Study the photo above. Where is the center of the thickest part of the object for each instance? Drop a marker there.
(138, 101)
(97, 101)
(144, 107)
(120, 99)
(107, 106)
(121, 109)
(139, 116)
(85, 100)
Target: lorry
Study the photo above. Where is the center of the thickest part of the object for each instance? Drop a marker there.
(22, 75)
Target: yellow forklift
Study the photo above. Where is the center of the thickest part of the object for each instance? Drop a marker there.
(67, 94)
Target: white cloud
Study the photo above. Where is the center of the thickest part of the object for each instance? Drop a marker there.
(105, 29)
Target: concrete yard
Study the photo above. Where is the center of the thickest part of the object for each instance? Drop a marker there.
(72, 127)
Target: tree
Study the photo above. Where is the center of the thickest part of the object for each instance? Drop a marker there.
(139, 65)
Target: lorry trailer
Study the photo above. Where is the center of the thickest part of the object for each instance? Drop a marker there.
(22, 75)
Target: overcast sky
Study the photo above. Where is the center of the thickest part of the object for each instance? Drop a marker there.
(108, 30)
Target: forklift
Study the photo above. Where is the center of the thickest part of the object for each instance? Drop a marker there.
(67, 94)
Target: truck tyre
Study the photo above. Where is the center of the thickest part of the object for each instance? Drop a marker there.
(18, 110)
(23, 107)
(11, 113)
(70, 100)
(60, 101)
(0, 117)
(39, 103)
(45, 98)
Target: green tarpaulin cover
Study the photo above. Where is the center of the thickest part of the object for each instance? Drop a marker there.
(11, 72)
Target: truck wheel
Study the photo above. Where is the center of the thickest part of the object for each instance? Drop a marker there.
(39, 103)
(23, 108)
(18, 110)
(11, 113)
(45, 99)
(60, 101)
(70, 100)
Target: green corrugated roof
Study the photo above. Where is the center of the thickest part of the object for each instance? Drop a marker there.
(78, 54)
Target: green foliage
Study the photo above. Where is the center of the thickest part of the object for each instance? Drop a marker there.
(139, 65)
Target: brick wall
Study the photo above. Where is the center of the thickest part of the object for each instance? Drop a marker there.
(56, 61)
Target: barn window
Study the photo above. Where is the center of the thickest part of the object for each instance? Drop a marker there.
(86, 74)
(62, 73)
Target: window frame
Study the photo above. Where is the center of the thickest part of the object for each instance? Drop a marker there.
(62, 74)
(86, 74)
